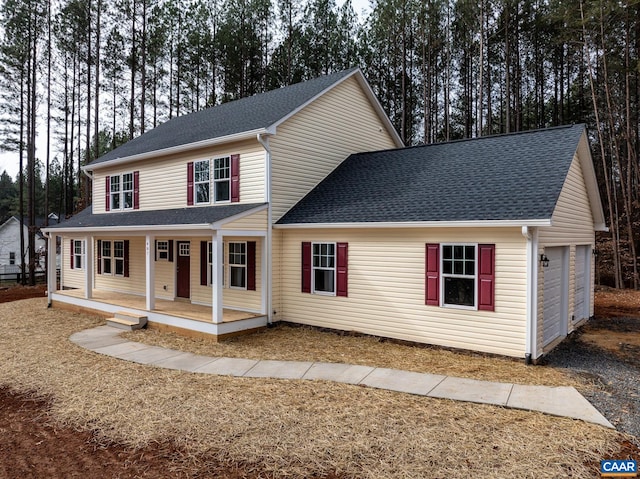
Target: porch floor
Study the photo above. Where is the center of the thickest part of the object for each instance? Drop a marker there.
(181, 309)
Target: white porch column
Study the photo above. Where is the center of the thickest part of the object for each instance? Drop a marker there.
(150, 290)
(51, 266)
(217, 275)
(88, 267)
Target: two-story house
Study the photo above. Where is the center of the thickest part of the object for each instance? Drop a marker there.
(262, 209)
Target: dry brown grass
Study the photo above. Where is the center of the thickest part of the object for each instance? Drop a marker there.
(284, 428)
(301, 343)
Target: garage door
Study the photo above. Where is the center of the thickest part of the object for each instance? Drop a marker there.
(555, 294)
(583, 282)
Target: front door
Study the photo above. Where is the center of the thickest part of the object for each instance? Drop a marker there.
(183, 273)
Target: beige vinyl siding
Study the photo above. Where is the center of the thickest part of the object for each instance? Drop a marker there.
(71, 278)
(572, 219)
(232, 298)
(163, 181)
(136, 282)
(386, 269)
(309, 145)
(256, 221)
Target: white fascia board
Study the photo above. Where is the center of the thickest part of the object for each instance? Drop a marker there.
(136, 230)
(178, 149)
(420, 224)
(238, 216)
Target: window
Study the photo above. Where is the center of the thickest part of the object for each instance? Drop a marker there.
(183, 249)
(115, 192)
(222, 178)
(324, 268)
(12, 257)
(106, 258)
(127, 191)
(118, 257)
(459, 275)
(238, 265)
(122, 194)
(162, 251)
(78, 253)
(201, 178)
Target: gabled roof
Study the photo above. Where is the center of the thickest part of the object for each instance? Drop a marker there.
(243, 118)
(503, 179)
(176, 218)
(39, 223)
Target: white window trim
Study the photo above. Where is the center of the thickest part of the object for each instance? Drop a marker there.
(196, 183)
(121, 192)
(245, 265)
(443, 276)
(335, 270)
(104, 258)
(225, 180)
(81, 255)
(12, 257)
(115, 258)
(162, 250)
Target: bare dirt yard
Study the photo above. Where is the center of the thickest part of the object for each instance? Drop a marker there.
(66, 412)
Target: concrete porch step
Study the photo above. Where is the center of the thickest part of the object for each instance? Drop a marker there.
(127, 321)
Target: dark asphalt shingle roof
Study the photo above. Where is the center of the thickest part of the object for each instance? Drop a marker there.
(178, 216)
(505, 177)
(247, 114)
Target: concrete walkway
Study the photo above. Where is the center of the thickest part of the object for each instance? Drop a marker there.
(557, 401)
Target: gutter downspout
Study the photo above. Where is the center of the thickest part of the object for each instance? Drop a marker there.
(531, 235)
(267, 195)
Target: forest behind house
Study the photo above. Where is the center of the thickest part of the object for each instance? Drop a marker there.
(84, 76)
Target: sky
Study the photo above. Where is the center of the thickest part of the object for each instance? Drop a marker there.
(9, 160)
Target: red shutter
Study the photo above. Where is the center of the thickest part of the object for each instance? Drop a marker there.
(432, 275)
(126, 258)
(136, 190)
(486, 277)
(235, 178)
(171, 251)
(342, 269)
(71, 265)
(203, 262)
(251, 265)
(190, 183)
(107, 195)
(99, 256)
(306, 267)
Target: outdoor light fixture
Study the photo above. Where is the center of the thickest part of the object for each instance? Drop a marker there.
(544, 260)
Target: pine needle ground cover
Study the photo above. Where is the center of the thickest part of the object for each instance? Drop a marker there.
(280, 428)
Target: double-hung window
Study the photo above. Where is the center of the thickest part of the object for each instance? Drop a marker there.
(12, 257)
(118, 257)
(121, 192)
(162, 250)
(238, 265)
(459, 275)
(201, 181)
(222, 179)
(106, 257)
(324, 268)
(78, 253)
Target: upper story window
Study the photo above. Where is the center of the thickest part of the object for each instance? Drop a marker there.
(12, 257)
(201, 181)
(215, 180)
(122, 192)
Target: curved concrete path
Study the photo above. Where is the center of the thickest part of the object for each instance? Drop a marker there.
(558, 401)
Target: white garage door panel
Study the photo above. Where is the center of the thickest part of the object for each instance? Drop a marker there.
(553, 295)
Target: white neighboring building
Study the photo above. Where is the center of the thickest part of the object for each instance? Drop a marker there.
(10, 244)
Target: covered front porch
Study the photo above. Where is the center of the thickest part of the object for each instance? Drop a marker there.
(209, 278)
